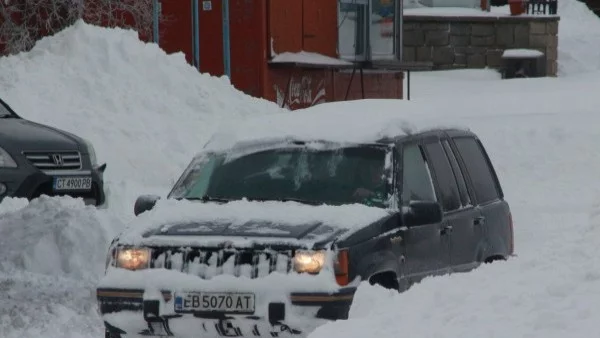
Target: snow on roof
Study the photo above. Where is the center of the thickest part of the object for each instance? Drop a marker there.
(495, 11)
(361, 121)
(522, 53)
(309, 58)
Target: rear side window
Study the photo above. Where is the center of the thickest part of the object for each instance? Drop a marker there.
(446, 183)
(478, 169)
(465, 199)
(416, 176)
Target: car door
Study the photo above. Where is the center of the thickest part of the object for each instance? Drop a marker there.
(425, 249)
(459, 228)
(495, 221)
(467, 222)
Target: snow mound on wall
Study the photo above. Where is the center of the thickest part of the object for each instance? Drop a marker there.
(53, 252)
(143, 110)
(578, 38)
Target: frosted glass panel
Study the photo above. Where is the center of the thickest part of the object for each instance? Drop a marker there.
(382, 29)
(351, 29)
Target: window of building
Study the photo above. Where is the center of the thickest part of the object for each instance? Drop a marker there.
(367, 29)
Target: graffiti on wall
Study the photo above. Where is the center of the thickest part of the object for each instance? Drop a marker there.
(304, 91)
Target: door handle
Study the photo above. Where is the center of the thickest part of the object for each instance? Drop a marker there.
(446, 229)
(479, 220)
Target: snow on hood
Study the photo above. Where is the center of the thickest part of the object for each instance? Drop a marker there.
(245, 222)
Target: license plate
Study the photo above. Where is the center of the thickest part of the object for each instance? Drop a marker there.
(226, 302)
(72, 183)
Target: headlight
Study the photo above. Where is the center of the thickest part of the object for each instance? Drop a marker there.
(133, 258)
(91, 152)
(6, 161)
(309, 261)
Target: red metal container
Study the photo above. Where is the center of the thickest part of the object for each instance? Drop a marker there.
(517, 7)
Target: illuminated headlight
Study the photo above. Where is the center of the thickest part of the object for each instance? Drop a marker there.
(133, 258)
(309, 261)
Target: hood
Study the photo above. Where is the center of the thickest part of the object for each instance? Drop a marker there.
(311, 231)
(23, 135)
(174, 222)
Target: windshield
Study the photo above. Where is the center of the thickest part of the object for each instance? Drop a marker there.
(315, 176)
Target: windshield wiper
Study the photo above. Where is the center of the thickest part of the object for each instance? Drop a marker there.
(286, 199)
(207, 198)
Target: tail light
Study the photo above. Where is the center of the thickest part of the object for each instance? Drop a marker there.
(511, 245)
(341, 268)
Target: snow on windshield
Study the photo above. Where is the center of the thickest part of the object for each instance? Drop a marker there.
(313, 175)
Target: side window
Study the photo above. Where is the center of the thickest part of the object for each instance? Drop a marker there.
(444, 175)
(465, 199)
(416, 176)
(478, 168)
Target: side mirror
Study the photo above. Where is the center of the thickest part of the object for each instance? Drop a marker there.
(145, 203)
(423, 212)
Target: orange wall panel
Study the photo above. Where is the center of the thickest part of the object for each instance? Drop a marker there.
(285, 25)
(376, 85)
(176, 28)
(210, 25)
(320, 26)
(248, 41)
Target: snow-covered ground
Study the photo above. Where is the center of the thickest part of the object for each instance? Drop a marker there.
(147, 113)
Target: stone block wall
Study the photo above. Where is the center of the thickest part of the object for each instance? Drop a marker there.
(478, 42)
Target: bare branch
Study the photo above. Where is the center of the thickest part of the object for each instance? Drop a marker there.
(23, 22)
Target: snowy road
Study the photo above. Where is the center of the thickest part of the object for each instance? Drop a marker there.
(542, 136)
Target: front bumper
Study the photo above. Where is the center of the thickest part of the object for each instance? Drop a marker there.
(29, 182)
(136, 312)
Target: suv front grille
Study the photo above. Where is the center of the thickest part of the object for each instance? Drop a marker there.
(207, 263)
(56, 160)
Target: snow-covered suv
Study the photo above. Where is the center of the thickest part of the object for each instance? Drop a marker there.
(272, 237)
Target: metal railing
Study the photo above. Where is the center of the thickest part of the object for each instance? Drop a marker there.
(542, 7)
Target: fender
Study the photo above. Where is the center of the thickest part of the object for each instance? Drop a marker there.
(377, 262)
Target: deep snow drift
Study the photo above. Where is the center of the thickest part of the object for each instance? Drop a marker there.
(578, 38)
(52, 251)
(544, 148)
(147, 113)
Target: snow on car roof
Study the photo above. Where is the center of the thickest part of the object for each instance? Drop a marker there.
(361, 121)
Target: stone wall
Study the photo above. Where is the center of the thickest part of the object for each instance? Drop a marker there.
(478, 41)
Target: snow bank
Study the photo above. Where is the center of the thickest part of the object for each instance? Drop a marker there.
(53, 252)
(144, 110)
(578, 38)
(147, 114)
